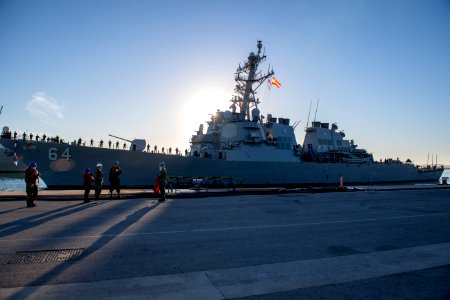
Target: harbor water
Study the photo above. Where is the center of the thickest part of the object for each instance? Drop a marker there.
(18, 183)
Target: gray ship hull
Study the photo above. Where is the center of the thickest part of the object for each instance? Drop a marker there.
(7, 167)
(61, 166)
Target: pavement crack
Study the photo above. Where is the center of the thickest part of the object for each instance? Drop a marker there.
(212, 283)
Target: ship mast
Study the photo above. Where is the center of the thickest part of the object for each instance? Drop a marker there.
(246, 76)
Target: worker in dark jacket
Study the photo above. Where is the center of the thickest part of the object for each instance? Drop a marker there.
(98, 180)
(114, 179)
(31, 181)
(87, 181)
(162, 177)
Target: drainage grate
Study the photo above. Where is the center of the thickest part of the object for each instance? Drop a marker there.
(29, 257)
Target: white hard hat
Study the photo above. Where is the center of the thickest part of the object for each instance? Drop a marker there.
(99, 165)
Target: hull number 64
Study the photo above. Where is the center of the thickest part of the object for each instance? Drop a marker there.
(53, 154)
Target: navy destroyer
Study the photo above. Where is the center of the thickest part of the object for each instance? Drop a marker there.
(239, 144)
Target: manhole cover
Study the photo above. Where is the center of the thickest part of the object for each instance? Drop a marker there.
(29, 257)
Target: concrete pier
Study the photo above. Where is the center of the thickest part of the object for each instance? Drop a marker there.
(390, 243)
(212, 192)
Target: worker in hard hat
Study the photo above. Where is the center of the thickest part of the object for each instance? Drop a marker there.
(114, 179)
(88, 178)
(31, 181)
(162, 177)
(98, 180)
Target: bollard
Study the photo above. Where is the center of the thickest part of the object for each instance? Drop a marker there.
(341, 185)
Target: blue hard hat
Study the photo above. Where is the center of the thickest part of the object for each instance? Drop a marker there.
(116, 163)
(33, 165)
(87, 170)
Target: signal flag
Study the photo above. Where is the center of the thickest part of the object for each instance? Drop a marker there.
(275, 82)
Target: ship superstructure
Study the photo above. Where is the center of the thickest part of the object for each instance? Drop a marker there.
(243, 134)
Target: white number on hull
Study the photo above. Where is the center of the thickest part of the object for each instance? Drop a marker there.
(66, 154)
(53, 154)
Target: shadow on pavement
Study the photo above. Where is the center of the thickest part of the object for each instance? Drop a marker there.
(106, 237)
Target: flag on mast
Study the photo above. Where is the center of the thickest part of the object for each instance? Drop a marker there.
(275, 82)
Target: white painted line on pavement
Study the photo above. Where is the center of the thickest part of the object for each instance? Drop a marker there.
(226, 228)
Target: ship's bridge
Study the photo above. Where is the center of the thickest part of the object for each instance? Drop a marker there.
(231, 137)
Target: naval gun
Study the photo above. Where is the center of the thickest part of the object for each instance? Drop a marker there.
(135, 145)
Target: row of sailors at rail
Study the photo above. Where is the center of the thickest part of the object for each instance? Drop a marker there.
(30, 137)
(155, 148)
(117, 145)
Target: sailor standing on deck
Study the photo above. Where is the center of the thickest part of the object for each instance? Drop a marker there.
(87, 181)
(114, 179)
(31, 180)
(98, 180)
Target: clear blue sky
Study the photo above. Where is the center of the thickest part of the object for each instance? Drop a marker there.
(155, 69)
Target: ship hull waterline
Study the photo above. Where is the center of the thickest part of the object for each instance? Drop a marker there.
(61, 166)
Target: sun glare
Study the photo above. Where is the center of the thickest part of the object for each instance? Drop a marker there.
(199, 106)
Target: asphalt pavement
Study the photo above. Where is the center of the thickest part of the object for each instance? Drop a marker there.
(370, 244)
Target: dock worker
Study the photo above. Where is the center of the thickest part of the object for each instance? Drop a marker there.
(88, 179)
(162, 177)
(114, 179)
(31, 181)
(98, 176)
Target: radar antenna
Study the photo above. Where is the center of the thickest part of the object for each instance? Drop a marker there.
(317, 106)
(309, 112)
(246, 76)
